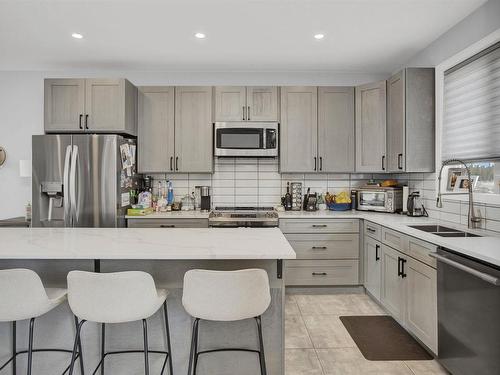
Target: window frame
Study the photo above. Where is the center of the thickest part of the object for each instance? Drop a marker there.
(488, 41)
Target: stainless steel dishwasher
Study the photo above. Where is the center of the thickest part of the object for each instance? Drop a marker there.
(468, 314)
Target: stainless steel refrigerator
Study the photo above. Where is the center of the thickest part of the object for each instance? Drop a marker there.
(82, 180)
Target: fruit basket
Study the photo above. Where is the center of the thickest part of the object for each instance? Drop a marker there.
(339, 206)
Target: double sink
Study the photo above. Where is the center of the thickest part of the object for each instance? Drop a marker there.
(441, 231)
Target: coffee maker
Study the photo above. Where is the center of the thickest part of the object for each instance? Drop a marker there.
(205, 198)
(415, 206)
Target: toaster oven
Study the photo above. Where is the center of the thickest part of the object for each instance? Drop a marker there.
(380, 199)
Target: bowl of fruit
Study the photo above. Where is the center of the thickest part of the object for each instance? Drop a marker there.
(338, 202)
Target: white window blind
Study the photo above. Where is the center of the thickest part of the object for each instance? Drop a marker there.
(471, 121)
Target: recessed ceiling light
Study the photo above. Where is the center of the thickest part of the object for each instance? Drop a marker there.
(77, 36)
(319, 36)
(200, 35)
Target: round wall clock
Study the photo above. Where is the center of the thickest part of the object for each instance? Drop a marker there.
(3, 156)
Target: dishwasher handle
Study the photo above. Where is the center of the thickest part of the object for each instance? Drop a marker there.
(483, 276)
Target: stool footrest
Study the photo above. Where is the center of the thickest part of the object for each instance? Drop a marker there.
(228, 350)
(43, 350)
(128, 352)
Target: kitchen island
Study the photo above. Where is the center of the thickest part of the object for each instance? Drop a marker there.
(167, 255)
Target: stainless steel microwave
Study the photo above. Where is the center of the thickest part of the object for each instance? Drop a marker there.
(380, 199)
(246, 139)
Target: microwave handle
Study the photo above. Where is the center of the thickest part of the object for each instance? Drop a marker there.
(264, 138)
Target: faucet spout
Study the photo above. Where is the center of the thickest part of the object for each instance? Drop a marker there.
(472, 220)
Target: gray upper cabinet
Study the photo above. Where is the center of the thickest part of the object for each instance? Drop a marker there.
(92, 105)
(64, 105)
(299, 129)
(193, 129)
(336, 149)
(156, 129)
(262, 103)
(240, 103)
(371, 127)
(411, 121)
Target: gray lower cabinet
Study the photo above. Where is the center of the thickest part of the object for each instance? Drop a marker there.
(90, 105)
(371, 127)
(408, 283)
(167, 223)
(193, 129)
(156, 127)
(327, 252)
(411, 121)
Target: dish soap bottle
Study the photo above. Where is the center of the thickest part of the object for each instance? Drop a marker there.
(170, 195)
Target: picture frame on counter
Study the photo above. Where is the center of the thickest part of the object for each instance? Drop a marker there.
(453, 175)
(462, 184)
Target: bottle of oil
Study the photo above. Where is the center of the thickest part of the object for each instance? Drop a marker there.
(288, 198)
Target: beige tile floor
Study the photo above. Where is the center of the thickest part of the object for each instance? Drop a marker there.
(316, 342)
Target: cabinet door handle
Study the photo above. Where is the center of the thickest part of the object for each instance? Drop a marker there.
(167, 226)
(319, 248)
(400, 161)
(319, 225)
(377, 248)
(371, 230)
(321, 163)
(248, 113)
(176, 163)
(86, 121)
(171, 163)
(244, 109)
(383, 162)
(319, 274)
(403, 273)
(80, 121)
(315, 160)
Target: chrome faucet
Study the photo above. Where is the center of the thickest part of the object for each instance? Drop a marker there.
(472, 220)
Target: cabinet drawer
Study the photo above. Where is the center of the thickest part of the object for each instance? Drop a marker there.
(395, 239)
(420, 250)
(325, 272)
(167, 223)
(325, 246)
(319, 226)
(373, 230)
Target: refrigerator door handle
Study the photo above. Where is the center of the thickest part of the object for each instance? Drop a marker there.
(66, 192)
(72, 184)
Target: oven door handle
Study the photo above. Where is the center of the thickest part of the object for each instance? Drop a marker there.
(483, 276)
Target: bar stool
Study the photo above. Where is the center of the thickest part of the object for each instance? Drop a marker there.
(23, 296)
(225, 296)
(118, 297)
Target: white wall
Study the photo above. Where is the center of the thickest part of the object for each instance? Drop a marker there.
(476, 26)
(21, 110)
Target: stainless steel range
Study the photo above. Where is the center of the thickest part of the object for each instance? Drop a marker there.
(233, 217)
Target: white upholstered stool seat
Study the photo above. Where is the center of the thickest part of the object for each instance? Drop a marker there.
(117, 297)
(225, 296)
(23, 296)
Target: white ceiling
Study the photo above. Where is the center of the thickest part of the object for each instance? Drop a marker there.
(372, 36)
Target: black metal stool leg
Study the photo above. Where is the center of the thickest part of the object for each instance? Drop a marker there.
(30, 345)
(193, 350)
(80, 356)
(103, 346)
(14, 348)
(195, 359)
(75, 346)
(169, 347)
(262, 357)
(146, 352)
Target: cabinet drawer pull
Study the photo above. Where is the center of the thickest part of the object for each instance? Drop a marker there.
(319, 248)
(167, 226)
(319, 274)
(371, 230)
(319, 225)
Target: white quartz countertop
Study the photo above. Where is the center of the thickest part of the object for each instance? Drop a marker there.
(144, 243)
(173, 215)
(486, 248)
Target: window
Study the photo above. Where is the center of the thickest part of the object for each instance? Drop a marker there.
(471, 113)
